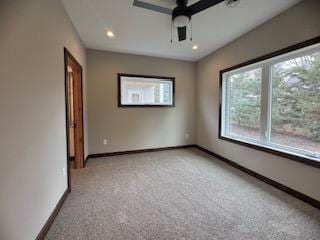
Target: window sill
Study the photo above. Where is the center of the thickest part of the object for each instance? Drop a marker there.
(282, 153)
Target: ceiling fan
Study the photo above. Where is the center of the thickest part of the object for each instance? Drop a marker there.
(182, 13)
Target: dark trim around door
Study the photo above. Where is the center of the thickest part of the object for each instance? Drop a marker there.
(68, 55)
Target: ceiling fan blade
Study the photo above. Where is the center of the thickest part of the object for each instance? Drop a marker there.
(142, 4)
(182, 33)
(202, 5)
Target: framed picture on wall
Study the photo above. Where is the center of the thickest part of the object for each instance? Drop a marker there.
(145, 91)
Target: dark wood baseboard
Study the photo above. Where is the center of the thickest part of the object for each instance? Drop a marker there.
(53, 215)
(98, 155)
(309, 200)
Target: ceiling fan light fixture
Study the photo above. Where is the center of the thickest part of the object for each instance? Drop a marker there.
(181, 20)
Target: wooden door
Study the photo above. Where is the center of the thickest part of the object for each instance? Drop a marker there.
(78, 124)
(73, 69)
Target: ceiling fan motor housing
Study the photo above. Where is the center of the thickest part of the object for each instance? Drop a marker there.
(182, 2)
(181, 15)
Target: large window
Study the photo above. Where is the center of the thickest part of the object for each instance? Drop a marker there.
(273, 103)
(137, 91)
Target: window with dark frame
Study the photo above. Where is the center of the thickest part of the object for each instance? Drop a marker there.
(273, 103)
(145, 91)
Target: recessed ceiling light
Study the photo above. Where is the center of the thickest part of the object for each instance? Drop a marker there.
(110, 34)
(195, 47)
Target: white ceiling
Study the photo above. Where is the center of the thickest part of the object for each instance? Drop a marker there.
(145, 32)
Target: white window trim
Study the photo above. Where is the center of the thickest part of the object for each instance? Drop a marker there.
(266, 104)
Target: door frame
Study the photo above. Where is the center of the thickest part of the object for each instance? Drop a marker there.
(69, 56)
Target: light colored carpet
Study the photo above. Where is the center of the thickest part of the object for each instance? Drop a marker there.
(178, 194)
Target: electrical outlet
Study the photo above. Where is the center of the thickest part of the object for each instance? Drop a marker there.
(64, 172)
(105, 141)
(187, 136)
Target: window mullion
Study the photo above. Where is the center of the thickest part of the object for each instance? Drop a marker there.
(227, 105)
(269, 104)
(265, 104)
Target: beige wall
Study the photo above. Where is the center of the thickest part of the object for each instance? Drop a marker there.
(32, 107)
(299, 23)
(32, 124)
(137, 128)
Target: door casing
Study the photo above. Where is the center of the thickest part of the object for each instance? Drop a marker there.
(79, 137)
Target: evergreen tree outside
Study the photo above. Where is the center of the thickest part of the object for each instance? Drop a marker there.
(245, 101)
(296, 97)
(295, 109)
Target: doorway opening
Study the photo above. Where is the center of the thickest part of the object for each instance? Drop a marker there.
(74, 114)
